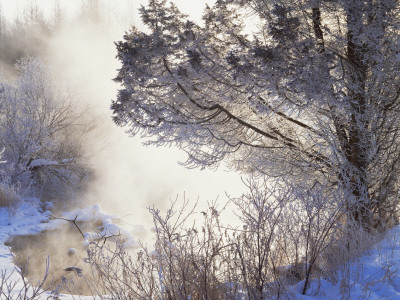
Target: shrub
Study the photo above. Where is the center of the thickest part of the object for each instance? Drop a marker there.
(8, 197)
(285, 236)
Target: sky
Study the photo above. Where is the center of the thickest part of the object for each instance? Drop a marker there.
(130, 177)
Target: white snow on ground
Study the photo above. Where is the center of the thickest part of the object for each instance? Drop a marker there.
(27, 219)
(376, 275)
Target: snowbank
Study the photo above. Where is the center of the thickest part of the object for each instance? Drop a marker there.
(375, 275)
(28, 219)
(107, 228)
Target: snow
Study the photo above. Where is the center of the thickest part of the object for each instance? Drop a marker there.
(94, 214)
(40, 162)
(72, 251)
(375, 275)
(67, 160)
(30, 219)
(372, 276)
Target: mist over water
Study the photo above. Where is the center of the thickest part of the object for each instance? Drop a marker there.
(128, 176)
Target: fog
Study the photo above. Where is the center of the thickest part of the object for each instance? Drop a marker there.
(128, 176)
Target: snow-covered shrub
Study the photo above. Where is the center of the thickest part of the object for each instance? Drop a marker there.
(186, 262)
(41, 131)
(287, 235)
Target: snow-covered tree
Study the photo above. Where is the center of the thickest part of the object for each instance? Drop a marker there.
(307, 91)
(40, 130)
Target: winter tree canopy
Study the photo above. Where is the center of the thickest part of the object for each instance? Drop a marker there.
(309, 93)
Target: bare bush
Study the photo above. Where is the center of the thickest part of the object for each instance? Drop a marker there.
(188, 262)
(256, 251)
(315, 225)
(15, 286)
(192, 258)
(122, 275)
(287, 234)
(9, 198)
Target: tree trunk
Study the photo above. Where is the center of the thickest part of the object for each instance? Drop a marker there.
(357, 146)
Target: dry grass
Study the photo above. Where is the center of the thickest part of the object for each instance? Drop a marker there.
(8, 197)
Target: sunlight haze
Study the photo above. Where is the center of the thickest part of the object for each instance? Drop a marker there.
(129, 177)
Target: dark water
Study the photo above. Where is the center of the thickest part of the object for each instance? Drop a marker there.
(31, 252)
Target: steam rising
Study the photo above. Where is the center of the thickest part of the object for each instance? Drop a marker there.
(128, 176)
